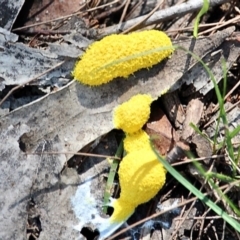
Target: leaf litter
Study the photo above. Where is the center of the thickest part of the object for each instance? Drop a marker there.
(34, 140)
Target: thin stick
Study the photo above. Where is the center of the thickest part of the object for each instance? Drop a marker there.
(31, 80)
(228, 110)
(114, 157)
(124, 11)
(133, 9)
(64, 17)
(227, 95)
(203, 25)
(144, 19)
(75, 153)
(110, 11)
(233, 20)
(161, 15)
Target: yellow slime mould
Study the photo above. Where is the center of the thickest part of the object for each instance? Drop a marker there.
(141, 176)
(136, 141)
(133, 114)
(121, 55)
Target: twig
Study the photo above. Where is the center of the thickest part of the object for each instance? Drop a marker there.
(75, 153)
(133, 9)
(110, 11)
(229, 93)
(44, 22)
(102, 6)
(47, 32)
(161, 15)
(227, 110)
(233, 20)
(64, 17)
(198, 218)
(124, 11)
(31, 80)
(205, 25)
(145, 18)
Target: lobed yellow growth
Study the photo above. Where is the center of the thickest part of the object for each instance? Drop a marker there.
(121, 55)
(133, 114)
(141, 176)
(122, 211)
(136, 141)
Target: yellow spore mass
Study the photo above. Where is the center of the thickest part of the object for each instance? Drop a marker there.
(121, 55)
(136, 141)
(122, 211)
(133, 114)
(141, 176)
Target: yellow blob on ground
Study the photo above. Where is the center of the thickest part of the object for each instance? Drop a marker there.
(122, 211)
(121, 55)
(133, 114)
(141, 176)
(136, 141)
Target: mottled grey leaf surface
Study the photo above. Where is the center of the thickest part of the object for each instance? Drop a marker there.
(6, 36)
(20, 63)
(198, 76)
(9, 10)
(35, 177)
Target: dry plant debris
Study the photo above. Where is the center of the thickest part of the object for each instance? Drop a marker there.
(45, 112)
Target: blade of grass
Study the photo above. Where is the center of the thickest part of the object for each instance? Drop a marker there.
(216, 88)
(220, 177)
(197, 193)
(218, 94)
(197, 130)
(235, 132)
(238, 156)
(214, 186)
(223, 116)
(111, 176)
(203, 10)
(220, 99)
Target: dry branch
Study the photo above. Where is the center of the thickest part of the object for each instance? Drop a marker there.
(161, 15)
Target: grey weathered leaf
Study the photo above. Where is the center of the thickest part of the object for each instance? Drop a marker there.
(20, 63)
(35, 177)
(198, 76)
(9, 11)
(6, 36)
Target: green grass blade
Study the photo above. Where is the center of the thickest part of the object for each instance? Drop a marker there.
(220, 99)
(220, 177)
(218, 93)
(223, 116)
(197, 193)
(111, 176)
(197, 130)
(235, 132)
(208, 176)
(238, 156)
(203, 10)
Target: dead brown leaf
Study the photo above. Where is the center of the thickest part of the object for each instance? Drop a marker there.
(161, 132)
